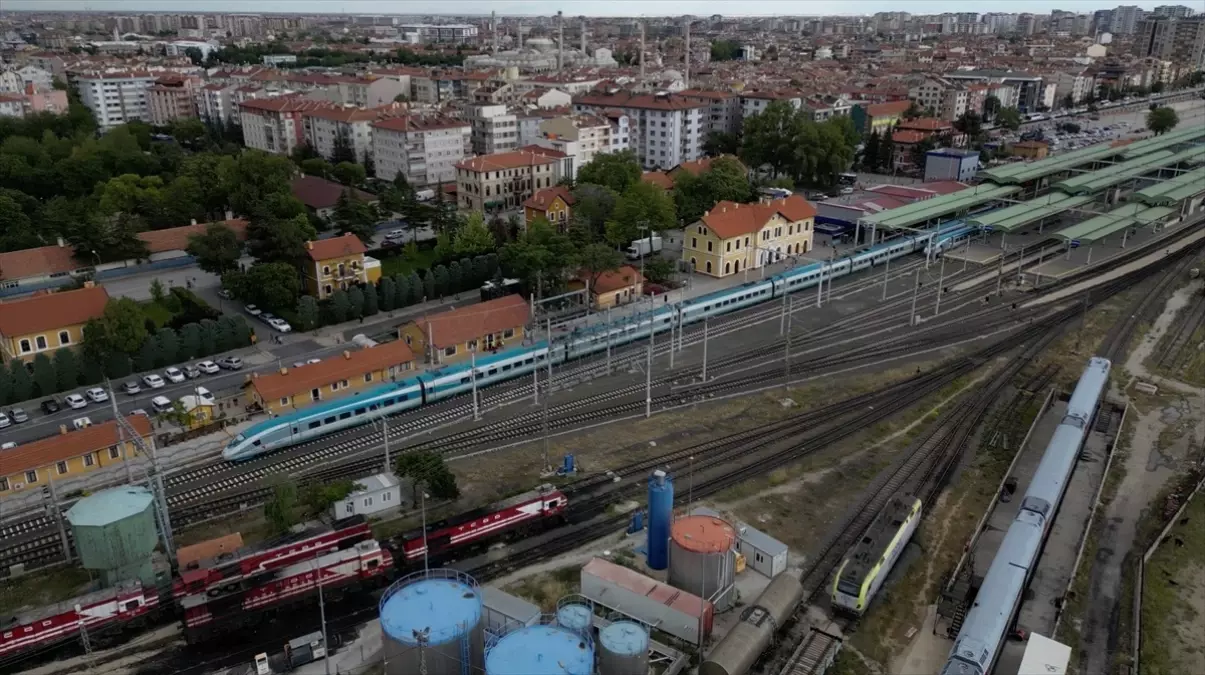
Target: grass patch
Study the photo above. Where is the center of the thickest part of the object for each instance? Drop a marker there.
(42, 588)
(251, 524)
(545, 589)
(1173, 620)
(157, 313)
(403, 263)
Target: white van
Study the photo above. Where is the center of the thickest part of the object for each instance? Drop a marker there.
(161, 404)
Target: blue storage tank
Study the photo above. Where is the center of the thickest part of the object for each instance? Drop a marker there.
(541, 649)
(575, 612)
(661, 515)
(432, 623)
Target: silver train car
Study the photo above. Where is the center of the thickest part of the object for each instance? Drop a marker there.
(983, 631)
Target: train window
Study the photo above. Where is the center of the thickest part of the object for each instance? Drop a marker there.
(372, 407)
(372, 564)
(257, 443)
(315, 424)
(506, 367)
(344, 416)
(294, 429)
(403, 397)
(361, 411)
(387, 402)
(329, 420)
(493, 371)
(131, 605)
(553, 502)
(464, 380)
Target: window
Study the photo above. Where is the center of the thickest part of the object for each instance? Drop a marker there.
(738, 244)
(343, 384)
(327, 289)
(25, 347)
(709, 247)
(727, 268)
(508, 333)
(367, 501)
(368, 377)
(284, 400)
(694, 242)
(450, 350)
(4, 488)
(114, 453)
(64, 338)
(41, 340)
(61, 467)
(89, 459)
(386, 497)
(315, 395)
(31, 476)
(407, 339)
(708, 266)
(727, 246)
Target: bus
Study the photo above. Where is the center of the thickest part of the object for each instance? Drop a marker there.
(847, 178)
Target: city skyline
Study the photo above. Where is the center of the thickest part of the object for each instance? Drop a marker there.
(619, 8)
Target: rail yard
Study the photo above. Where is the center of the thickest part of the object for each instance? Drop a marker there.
(663, 583)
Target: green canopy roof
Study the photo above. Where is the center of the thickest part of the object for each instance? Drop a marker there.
(1188, 134)
(930, 209)
(1119, 173)
(1173, 190)
(1014, 217)
(1129, 215)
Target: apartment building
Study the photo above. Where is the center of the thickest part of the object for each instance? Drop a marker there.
(324, 126)
(276, 125)
(16, 80)
(502, 182)
(440, 87)
(723, 113)
(116, 98)
(33, 100)
(582, 137)
(459, 33)
(365, 92)
(425, 150)
(665, 129)
(172, 98)
(754, 102)
(928, 94)
(1178, 40)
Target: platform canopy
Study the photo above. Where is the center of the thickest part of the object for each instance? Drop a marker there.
(1173, 190)
(1012, 218)
(931, 209)
(1189, 134)
(1129, 215)
(1104, 179)
(1023, 172)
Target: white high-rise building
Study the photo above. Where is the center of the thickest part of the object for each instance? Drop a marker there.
(666, 129)
(424, 149)
(116, 98)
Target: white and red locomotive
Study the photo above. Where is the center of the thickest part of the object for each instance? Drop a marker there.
(102, 614)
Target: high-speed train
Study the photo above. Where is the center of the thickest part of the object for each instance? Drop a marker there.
(987, 623)
(436, 385)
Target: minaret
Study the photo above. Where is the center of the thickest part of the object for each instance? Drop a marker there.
(642, 52)
(686, 59)
(494, 30)
(583, 35)
(560, 41)
(519, 33)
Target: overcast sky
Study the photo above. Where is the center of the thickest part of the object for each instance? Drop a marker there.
(575, 8)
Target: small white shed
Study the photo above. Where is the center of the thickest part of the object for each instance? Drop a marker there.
(381, 492)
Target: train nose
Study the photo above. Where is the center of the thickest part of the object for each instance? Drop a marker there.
(230, 453)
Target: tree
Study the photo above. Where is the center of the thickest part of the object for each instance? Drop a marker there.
(473, 237)
(307, 312)
(1009, 118)
(427, 472)
(914, 110)
(316, 166)
(45, 378)
(125, 325)
(725, 180)
(386, 293)
(725, 50)
(1068, 101)
(1158, 87)
(318, 498)
(415, 284)
(148, 356)
(349, 173)
(340, 306)
(355, 302)
(355, 216)
(593, 206)
(271, 239)
(991, 106)
(209, 337)
(887, 152)
(169, 346)
(870, 151)
(371, 300)
(273, 286)
(616, 170)
(769, 138)
(1162, 120)
(645, 204)
(22, 383)
(217, 251)
(971, 124)
(401, 291)
(721, 143)
(429, 290)
(440, 273)
(596, 259)
(6, 386)
(539, 256)
(190, 341)
(455, 277)
(281, 507)
(342, 149)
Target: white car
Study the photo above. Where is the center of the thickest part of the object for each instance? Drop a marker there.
(208, 367)
(75, 401)
(97, 395)
(174, 374)
(153, 381)
(8, 446)
(312, 361)
(5, 421)
(253, 310)
(280, 325)
(204, 395)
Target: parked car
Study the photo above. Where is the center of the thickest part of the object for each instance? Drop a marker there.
(191, 372)
(309, 361)
(75, 401)
(8, 446)
(224, 294)
(50, 406)
(231, 363)
(81, 423)
(253, 310)
(204, 395)
(131, 387)
(208, 367)
(161, 404)
(139, 411)
(153, 381)
(280, 324)
(18, 415)
(5, 421)
(97, 395)
(267, 317)
(174, 374)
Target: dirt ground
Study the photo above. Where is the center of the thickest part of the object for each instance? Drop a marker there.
(1173, 613)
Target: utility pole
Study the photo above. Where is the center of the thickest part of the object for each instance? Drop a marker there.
(820, 288)
(671, 346)
(473, 374)
(782, 320)
(83, 638)
(1079, 332)
(154, 478)
(886, 277)
(915, 293)
(385, 435)
(966, 255)
(53, 510)
(941, 278)
(423, 508)
(547, 397)
(322, 613)
(1000, 274)
(705, 348)
(648, 378)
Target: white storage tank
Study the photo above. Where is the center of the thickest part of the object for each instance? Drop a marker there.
(432, 623)
(702, 558)
(545, 648)
(623, 648)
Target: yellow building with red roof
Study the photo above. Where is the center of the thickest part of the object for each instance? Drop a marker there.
(338, 263)
(45, 322)
(733, 237)
(68, 454)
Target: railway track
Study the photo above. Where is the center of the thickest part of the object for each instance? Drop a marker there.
(1179, 348)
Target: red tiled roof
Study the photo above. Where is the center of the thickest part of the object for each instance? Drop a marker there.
(37, 261)
(925, 124)
(458, 326)
(176, 238)
(889, 109)
(729, 219)
(416, 123)
(52, 310)
(284, 104)
(289, 381)
(45, 452)
(352, 114)
(698, 166)
(908, 137)
(505, 160)
(614, 280)
(541, 200)
(627, 99)
(335, 247)
(541, 150)
(319, 193)
(658, 178)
